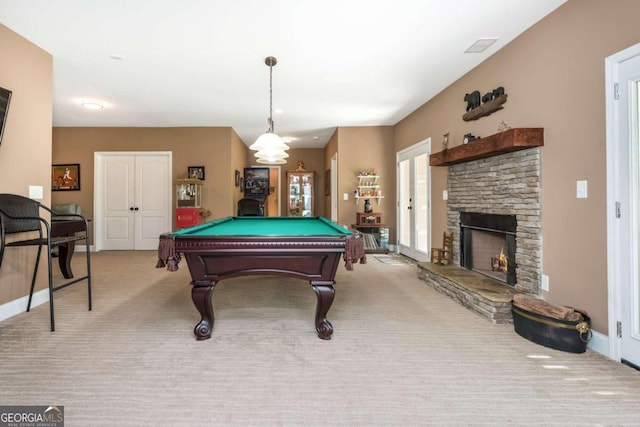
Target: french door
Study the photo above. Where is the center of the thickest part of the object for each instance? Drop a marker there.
(623, 210)
(414, 201)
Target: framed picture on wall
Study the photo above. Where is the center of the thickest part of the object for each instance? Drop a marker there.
(196, 172)
(327, 182)
(65, 177)
(256, 182)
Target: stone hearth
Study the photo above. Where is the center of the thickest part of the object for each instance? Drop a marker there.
(488, 297)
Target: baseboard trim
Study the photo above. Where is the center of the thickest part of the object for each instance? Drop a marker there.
(599, 343)
(19, 305)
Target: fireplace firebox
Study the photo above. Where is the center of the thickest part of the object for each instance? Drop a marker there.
(488, 245)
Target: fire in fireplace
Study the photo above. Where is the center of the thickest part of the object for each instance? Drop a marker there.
(488, 245)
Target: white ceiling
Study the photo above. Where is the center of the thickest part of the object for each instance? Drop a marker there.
(201, 62)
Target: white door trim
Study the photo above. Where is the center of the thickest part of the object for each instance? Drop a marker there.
(619, 243)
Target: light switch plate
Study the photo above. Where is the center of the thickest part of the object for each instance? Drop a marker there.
(346, 196)
(36, 192)
(581, 189)
(445, 195)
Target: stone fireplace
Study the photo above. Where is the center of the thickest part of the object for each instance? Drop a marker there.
(505, 185)
(493, 213)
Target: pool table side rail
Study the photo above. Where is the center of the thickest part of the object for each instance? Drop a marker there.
(171, 245)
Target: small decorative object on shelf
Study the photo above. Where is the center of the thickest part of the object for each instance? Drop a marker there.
(445, 141)
(491, 102)
(503, 126)
(469, 137)
(472, 99)
(368, 188)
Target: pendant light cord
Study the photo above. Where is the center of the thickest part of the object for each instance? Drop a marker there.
(271, 98)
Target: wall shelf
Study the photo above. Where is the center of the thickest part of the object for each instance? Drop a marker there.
(504, 142)
(368, 187)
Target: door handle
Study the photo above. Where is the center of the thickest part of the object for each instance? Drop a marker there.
(131, 208)
(135, 209)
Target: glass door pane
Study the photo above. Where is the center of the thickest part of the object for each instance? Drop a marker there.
(404, 174)
(421, 202)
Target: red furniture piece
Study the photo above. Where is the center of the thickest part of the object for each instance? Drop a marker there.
(188, 217)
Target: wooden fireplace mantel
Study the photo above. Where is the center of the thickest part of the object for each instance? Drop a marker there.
(493, 145)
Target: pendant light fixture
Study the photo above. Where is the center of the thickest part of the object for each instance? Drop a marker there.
(269, 147)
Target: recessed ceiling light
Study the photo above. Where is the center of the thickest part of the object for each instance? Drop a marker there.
(92, 105)
(117, 57)
(278, 111)
(480, 45)
(316, 137)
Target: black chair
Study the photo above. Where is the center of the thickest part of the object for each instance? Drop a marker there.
(20, 214)
(250, 207)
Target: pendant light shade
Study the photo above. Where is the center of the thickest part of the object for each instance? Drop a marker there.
(268, 161)
(272, 154)
(268, 141)
(269, 146)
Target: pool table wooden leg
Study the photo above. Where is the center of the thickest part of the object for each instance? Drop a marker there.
(325, 294)
(201, 296)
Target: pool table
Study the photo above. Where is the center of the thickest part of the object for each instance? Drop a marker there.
(307, 248)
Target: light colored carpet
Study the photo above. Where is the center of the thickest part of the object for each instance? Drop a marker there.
(401, 354)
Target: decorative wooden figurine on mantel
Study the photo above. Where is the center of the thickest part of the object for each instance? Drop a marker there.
(480, 106)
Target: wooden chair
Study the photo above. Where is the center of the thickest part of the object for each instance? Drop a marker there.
(443, 255)
(20, 214)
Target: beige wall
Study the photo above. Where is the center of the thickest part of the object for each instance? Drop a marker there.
(219, 150)
(554, 77)
(25, 152)
(364, 149)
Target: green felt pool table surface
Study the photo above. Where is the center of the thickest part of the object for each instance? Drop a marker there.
(266, 226)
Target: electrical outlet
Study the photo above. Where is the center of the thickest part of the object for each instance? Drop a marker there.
(545, 283)
(346, 196)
